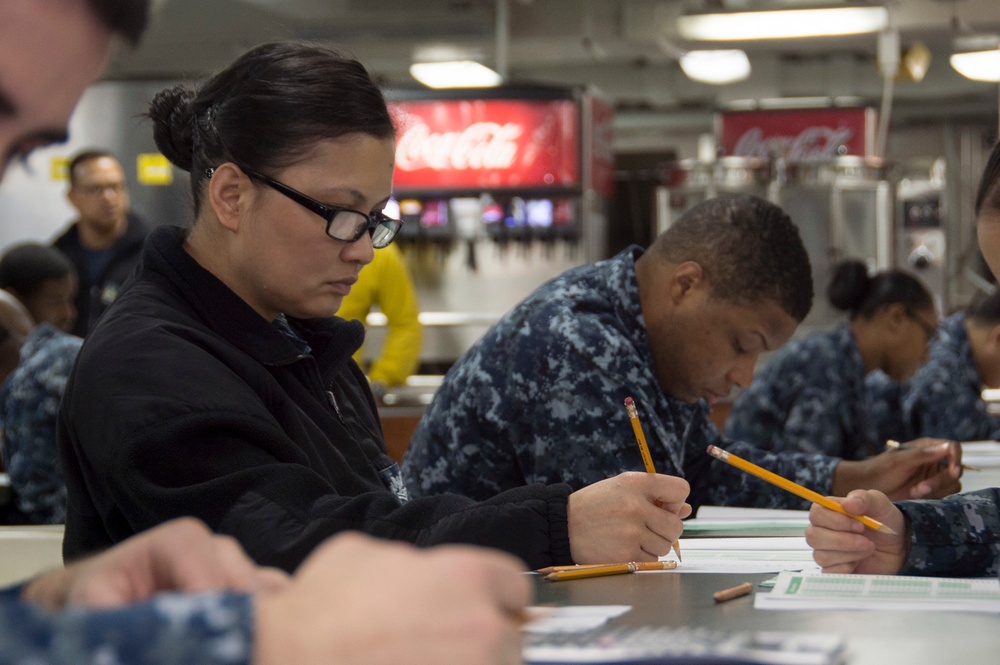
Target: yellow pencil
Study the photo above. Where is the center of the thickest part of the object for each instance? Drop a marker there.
(794, 488)
(896, 445)
(633, 416)
(639, 565)
(600, 570)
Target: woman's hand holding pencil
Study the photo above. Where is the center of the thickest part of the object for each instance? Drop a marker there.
(841, 544)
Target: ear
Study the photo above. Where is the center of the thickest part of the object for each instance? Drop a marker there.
(230, 195)
(687, 278)
(895, 316)
(73, 196)
(992, 340)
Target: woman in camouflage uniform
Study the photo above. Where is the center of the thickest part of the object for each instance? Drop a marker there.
(812, 396)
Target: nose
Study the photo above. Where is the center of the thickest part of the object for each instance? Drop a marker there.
(742, 372)
(360, 251)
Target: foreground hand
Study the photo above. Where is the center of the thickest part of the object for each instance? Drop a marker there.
(359, 601)
(925, 469)
(180, 555)
(844, 545)
(619, 520)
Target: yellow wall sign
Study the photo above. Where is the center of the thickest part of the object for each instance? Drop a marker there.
(152, 168)
(59, 168)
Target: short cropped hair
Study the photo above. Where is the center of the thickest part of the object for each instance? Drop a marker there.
(24, 268)
(83, 157)
(749, 249)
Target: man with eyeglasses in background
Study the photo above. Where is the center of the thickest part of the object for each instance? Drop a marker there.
(105, 242)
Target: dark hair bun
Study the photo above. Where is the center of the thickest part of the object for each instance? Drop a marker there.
(849, 286)
(173, 124)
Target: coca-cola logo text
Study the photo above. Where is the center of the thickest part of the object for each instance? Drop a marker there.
(480, 146)
(812, 143)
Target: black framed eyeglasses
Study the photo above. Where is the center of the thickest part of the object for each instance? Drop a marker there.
(343, 224)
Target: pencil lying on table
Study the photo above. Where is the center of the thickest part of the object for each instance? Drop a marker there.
(600, 570)
(794, 488)
(896, 445)
(647, 460)
(639, 565)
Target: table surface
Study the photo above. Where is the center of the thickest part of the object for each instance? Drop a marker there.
(873, 637)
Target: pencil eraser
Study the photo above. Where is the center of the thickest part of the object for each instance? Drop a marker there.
(629, 401)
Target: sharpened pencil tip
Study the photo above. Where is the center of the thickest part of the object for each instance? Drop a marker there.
(884, 529)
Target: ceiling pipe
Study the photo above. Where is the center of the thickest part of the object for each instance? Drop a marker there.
(502, 38)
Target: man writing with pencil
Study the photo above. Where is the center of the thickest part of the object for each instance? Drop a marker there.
(539, 397)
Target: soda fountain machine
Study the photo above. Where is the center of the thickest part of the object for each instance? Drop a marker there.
(501, 190)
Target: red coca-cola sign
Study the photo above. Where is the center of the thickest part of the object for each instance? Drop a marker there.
(486, 144)
(798, 135)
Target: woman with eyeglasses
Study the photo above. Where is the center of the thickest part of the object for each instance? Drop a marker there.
(811, 395)
(221, 385)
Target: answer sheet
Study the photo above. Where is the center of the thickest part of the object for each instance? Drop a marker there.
(816, 591)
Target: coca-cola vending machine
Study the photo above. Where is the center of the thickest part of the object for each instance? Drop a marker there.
(500, 190)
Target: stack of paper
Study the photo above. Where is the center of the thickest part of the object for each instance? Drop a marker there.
(721, 522)
(743, 555)
(798, 591)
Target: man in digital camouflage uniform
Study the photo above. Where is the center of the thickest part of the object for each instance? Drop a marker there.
(539, 398)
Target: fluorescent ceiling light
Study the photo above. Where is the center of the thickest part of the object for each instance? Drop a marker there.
(716, 67)
(978, 65)
(782, 24)
(455, 74)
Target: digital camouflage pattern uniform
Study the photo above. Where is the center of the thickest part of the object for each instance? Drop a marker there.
(539, 398)
(810, 397)
(170, 629)
(29, 402)
(944, 398)
(958, 536)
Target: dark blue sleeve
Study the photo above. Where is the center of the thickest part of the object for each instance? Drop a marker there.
(170, 629)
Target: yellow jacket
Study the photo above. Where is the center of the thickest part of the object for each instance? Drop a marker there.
(386, 282)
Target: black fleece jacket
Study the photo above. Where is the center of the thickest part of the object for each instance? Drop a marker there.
(185, 401)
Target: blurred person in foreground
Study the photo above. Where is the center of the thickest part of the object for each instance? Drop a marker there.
(958, 535)
(451, 604)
